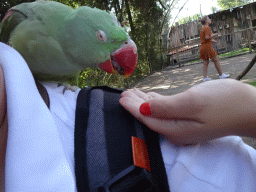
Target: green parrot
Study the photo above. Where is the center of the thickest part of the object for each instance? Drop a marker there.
(58, 42)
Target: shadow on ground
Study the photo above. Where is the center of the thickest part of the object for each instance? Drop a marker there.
(173, 80)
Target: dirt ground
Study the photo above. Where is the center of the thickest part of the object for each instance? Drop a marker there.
(173, 80)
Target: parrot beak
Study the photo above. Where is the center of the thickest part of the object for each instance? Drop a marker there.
(123, 60)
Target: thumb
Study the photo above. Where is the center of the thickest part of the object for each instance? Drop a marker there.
(180, 106)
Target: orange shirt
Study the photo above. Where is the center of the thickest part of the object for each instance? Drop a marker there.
(206, 30)
(206, 49)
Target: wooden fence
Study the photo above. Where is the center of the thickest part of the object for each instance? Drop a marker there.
(226, 43)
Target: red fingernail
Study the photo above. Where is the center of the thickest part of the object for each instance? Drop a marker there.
(145, 109)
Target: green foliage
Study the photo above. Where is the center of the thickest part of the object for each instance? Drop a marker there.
(214, 9)
(188, 19)
(71, 3)
(226, 4)
(253, 83)
(96, 77)
(229, 54)
(147, 24)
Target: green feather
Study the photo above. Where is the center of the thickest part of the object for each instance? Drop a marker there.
(8, 25)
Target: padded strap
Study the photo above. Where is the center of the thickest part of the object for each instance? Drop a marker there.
(158, 171)
(112, 140)
(81, 121)
(43, 92)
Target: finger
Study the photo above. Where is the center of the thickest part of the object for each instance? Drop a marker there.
(155, 95)
(142, 95)
(132, 106)
(137, 94)
(177, 131)
(184, 105)
(132, 95)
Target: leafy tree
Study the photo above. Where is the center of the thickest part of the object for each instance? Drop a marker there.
(188, 19)
(226, 4)
(214, 9)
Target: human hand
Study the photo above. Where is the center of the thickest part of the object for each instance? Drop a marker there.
(215, 35)
(214, 41)
(206, 111)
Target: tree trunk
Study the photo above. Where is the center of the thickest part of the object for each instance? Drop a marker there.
(162, 4)
(247, 69)
(146, 48)
(121, 11)
(106, 4)
(115, 5)
(129, 16)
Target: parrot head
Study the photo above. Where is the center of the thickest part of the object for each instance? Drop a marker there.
(105, 40)
(58, 42)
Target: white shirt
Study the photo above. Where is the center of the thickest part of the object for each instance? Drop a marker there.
(225, 164)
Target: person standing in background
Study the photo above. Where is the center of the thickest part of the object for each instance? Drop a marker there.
(206, 50)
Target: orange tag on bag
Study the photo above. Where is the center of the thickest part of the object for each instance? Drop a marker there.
(140, 153)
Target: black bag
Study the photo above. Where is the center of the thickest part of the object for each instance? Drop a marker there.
(107, 141)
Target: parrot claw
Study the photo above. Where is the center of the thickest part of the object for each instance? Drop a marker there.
(68, 87)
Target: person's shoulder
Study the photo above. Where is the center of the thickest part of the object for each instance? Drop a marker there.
(204, 27)
(207, 27)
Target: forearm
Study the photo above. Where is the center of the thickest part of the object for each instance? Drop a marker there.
(232, 109)
(249, 127)
(210, 36)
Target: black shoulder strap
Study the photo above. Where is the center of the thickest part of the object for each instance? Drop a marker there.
(114, 171)
(81, 121)
(43, 92)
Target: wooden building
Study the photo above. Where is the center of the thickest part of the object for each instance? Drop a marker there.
(179, 34)
(229, 24)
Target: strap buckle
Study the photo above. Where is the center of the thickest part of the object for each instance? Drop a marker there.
(132, 178)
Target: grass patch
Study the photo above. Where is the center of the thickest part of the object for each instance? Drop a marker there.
(244, 50)
(252, 83)
(229, 54)
(196, 61)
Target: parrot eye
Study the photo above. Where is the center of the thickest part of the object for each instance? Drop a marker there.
(101, 36)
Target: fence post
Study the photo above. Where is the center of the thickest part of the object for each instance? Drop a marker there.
(250, 40)
(178, 57)
(168, 60)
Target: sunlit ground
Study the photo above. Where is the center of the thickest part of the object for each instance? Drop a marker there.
(175, 80)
